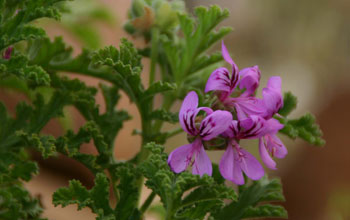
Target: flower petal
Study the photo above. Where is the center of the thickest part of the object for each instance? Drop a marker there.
(226, 163)
(227, 58)
(187, 114)
(272, 96)
(202, 164)
(273, 126)
(229, 168)
(275, 82)
(280, 151)
(215, 124)
(248, 106)
(190, 101)
(250, 78)
(265, 156)
(252, 127)
(206, 109)
(219, 80)
(180, 158)
(226, 54)
(249, 164)
(232, 131)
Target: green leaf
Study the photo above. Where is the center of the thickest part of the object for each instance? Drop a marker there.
(100, 194)
(97, 198)
(76, 193)
(265, 211)
(126, 64)
(158, 87)
(289, 104)
(17, 16)
(205, 61)
(18, 66)
(185, 57)
(128, 191)
(163, 115)
(45, 144)
(171, 188)
(16, 202)
(17, 166)
(19, 34)
(43, 52)
(70, 144)
(111, 96)
(304, 127)
(249, 198)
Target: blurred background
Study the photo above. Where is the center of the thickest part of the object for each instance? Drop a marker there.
(307, 43)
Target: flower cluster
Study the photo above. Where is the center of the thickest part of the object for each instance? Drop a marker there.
(237, 114)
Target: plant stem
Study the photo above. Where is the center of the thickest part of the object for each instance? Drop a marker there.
(174, 132)
(154, 55)
(148, 202)
(168, 101)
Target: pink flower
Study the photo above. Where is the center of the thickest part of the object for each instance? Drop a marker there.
(236, 160)
(211, 126)
(225, 83)
(270, 145)
(7, 53)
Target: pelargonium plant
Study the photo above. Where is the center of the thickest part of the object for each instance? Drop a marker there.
(220, 107)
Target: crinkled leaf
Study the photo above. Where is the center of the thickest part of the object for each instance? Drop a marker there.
(161, 114)
(97, 198)
(126, 64)
(289, 104)
(75, 193)
(45, 144)
(304, 127)
(265, 211)
(128, 191)
(249, 198)
(18, 66)
(17, 203)
(18, 14)
(158, 87)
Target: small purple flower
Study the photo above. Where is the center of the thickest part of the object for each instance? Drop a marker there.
(211, 126)
(236, 160)
(225, 83)
(270, 144)
(7, 53)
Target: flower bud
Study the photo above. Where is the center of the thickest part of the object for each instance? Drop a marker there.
(146, 14)
(7, 53)
(137, 8)
(166, 13)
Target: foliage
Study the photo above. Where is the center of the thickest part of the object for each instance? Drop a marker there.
(177, 44)
(247, 205)
(304, 127)
(97, 199)
(206, 194)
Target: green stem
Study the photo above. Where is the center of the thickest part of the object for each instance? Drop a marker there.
(168, 101)
(154, 55)
(174, 132)
(148, 202)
